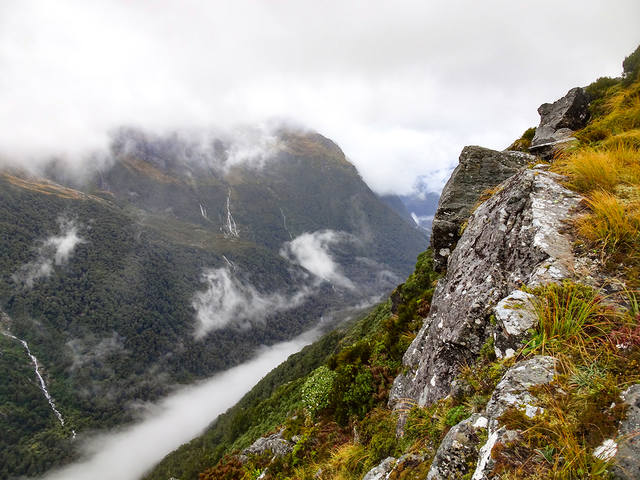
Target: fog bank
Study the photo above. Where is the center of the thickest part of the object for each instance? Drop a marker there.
(132, 451)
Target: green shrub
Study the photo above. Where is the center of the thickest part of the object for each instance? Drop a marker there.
(315, 390)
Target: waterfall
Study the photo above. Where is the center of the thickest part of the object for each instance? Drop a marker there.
(231, 229)
(43, 385)
(203, 212)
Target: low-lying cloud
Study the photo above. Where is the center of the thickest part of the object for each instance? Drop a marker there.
(54, 250)
(400, 86)
(229, 301)
(312, 251)
(129, 453)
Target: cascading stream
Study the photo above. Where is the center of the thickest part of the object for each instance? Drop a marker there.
(43, 385)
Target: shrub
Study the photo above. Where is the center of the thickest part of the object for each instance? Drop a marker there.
(315, 390)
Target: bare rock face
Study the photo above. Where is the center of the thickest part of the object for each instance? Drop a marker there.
(627, 459)
(515, 238)
(559, 120)
(479, 169)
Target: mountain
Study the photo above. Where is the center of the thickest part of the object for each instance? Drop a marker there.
(170, 259)
(514, 356)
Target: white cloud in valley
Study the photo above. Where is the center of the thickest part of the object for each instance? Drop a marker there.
(54, 250)
(401, 86)
(229, 301)
(312, 251)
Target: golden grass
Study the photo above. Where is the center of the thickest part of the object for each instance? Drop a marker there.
(612, 222)
(591, 169)
(621, 114)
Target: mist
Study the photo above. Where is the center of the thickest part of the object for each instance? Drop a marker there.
(130, 452)
(230, 301)
(311, 250)
(400, 86)
(54, 250)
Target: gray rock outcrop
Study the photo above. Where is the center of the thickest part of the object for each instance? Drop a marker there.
(558, 121)
(515, 315)
(381, 471)
(275, 444)
(479, 169)
(512, 391)
(515, 238)
(627, 459)
(457, 455)
(462, 452)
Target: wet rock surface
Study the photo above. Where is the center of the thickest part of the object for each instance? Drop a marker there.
(479, 169)
(627, 459)
(558, 121)
(515, 238)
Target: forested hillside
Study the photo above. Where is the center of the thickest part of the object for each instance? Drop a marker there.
(160, 269)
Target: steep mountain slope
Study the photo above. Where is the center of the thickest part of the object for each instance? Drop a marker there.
(522, 362)
(170, 264)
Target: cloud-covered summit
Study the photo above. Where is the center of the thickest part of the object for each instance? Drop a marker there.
(400, 86)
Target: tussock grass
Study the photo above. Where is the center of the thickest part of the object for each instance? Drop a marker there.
(592, 169)
(612, 223)
(620, 113)
(597, 348)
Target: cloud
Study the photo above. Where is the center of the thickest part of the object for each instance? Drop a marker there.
(400, 86)
(312, 251)
(132, 451)
(228, 301)
(55, 250)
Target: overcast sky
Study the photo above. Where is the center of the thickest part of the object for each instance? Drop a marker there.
(400, 85)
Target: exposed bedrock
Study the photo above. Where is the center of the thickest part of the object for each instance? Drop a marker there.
(479, 170)
(515, 238)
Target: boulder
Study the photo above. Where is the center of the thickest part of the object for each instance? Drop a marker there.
(458, 453)
(627, 458)
(558, 121)
(479, 169)
(513, 389)
(516, 237)
(515, 315)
